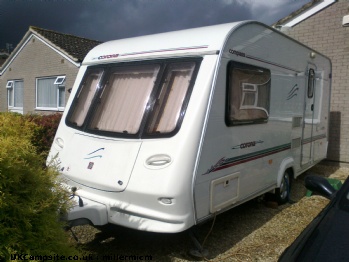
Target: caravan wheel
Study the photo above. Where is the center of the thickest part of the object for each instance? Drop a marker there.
(282, 194)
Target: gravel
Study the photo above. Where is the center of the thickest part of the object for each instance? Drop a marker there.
(255, 231)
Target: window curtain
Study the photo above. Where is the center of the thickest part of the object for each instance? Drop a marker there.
(249, 98)
(168, 106)
(61, 96)
(18, 94)
(10, 94)
(46, 93)
(252, 76)
(124, 99)
(84, 97)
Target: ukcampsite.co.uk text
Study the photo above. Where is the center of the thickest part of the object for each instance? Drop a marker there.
(56, 257)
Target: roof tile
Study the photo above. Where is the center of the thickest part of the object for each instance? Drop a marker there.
(76, 47)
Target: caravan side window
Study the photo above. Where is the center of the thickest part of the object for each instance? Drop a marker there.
(311, 83)
(248, 94)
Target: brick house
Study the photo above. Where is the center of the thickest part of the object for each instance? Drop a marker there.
(37, 75)
(319, 24)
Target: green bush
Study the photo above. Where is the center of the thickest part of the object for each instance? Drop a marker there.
(30, 196)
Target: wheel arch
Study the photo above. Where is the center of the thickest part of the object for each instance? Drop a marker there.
(286, 164)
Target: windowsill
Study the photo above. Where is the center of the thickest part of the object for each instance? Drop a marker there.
(49, 109)
(15, 108)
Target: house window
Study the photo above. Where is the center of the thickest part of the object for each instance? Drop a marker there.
(15, 93)
(248, 94)
(50, 93)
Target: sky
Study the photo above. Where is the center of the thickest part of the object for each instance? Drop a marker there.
(105, 20)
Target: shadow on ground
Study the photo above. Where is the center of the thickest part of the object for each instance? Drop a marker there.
(231, 227)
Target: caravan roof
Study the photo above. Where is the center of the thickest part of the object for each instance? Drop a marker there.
(204, 40)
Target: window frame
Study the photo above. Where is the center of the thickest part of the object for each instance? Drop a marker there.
(59, 83)
(228, 96)
(249, 91)
(146, 118)
(99, 94)
(185, 101)
(92, 70)
(59, 80)
(10, 85)
(10, 97)
(311, 82)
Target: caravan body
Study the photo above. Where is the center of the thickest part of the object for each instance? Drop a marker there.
(163, 131)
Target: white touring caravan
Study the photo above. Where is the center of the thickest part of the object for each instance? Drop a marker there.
(162, 132)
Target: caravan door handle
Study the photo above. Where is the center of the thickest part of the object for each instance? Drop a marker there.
(158, 160)
(312, 107)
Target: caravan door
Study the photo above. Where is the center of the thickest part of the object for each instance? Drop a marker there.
(307, 154)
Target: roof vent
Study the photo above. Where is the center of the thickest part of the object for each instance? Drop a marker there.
(345, 21)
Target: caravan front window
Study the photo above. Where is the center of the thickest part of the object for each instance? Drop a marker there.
(248, 94)
(170, 98)
(83, 98)
(123, 101)
(139, 99)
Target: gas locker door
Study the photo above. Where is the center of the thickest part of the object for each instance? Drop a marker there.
(307, 152)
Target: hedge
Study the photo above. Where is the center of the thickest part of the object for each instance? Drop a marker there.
(31, 199)
(45, 131)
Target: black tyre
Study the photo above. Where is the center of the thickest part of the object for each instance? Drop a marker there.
(282, 194)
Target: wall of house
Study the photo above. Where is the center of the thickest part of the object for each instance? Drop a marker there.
(324, 32)
(35, 60)
(2, 95)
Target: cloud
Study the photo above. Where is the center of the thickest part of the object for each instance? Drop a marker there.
(115, 19)
(269, 11)
(133, 18)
